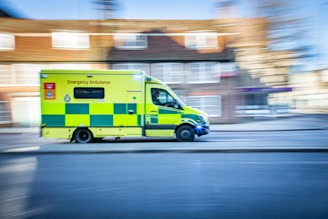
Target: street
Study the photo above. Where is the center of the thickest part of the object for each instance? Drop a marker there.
(217, 183)
(215, 141)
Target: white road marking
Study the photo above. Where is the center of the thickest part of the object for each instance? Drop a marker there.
(23, 149)
(231, 140)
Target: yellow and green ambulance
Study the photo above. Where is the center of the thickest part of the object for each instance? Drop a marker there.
(87, 105)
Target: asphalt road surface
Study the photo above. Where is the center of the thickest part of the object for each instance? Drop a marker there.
(165, 185)
(195, 184)
(213, 141)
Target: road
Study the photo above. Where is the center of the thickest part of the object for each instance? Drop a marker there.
(215, 141)
(211, 184)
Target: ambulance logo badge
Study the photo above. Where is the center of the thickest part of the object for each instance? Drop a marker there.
(67, 98)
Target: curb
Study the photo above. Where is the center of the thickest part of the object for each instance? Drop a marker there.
(271, 130)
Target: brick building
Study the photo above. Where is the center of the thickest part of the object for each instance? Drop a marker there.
(195, 58)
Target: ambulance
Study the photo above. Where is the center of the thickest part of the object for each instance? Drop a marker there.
(89, 105)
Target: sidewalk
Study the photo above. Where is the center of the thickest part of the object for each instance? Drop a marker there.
(300, 122)
(294, 123)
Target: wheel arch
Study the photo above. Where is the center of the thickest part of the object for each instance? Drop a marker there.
(183, 124)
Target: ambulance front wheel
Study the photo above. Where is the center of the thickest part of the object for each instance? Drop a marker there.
(83, 136)
(185, 133)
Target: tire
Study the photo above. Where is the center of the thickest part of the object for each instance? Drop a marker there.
(185, 133)
(83, 136)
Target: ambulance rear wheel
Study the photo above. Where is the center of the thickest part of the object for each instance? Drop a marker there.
(185, 133)
(83, 136)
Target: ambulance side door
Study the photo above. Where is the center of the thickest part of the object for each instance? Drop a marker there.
(163, 113)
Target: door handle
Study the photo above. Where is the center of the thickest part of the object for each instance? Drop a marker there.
(153, 111)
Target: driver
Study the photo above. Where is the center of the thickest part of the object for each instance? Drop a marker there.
(155, 97)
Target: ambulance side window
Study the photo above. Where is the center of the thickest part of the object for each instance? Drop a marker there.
(161, 97)
(89, 92)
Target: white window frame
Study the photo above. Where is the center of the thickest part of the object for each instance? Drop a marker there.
(212, 108)
(201, 40)
(28, 74)
(132, 66)
(170, 72)
(70, 40)
(206, 72)
(130, 41)
(7, 41)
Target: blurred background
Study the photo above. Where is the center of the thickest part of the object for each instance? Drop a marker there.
(235, 59)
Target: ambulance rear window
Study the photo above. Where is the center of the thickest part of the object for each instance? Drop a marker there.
(89, 93)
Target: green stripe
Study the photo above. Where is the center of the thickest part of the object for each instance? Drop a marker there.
(154, 119)
(165, 111)
(190, 116)
(53, 120)
(77, 108)
(101, 120)
(120, 108)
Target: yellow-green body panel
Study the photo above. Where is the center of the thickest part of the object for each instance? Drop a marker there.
(109, 103)
(160, 133)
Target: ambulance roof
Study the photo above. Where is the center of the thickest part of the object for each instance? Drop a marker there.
(91, 71)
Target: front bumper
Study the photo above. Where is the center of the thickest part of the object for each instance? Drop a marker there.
(202, 129)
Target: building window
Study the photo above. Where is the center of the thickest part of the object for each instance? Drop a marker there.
(71, 66)
(5, 117)
(324, 75)
(5, 76)
(132, 66)
(130, 41)
(7, 41)
(181, 93)
(70, 40)
(89, 93)
(203, 72)
(201, 40)
(168, 72)
(27, 74)
(228, 67)
(210, 104)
